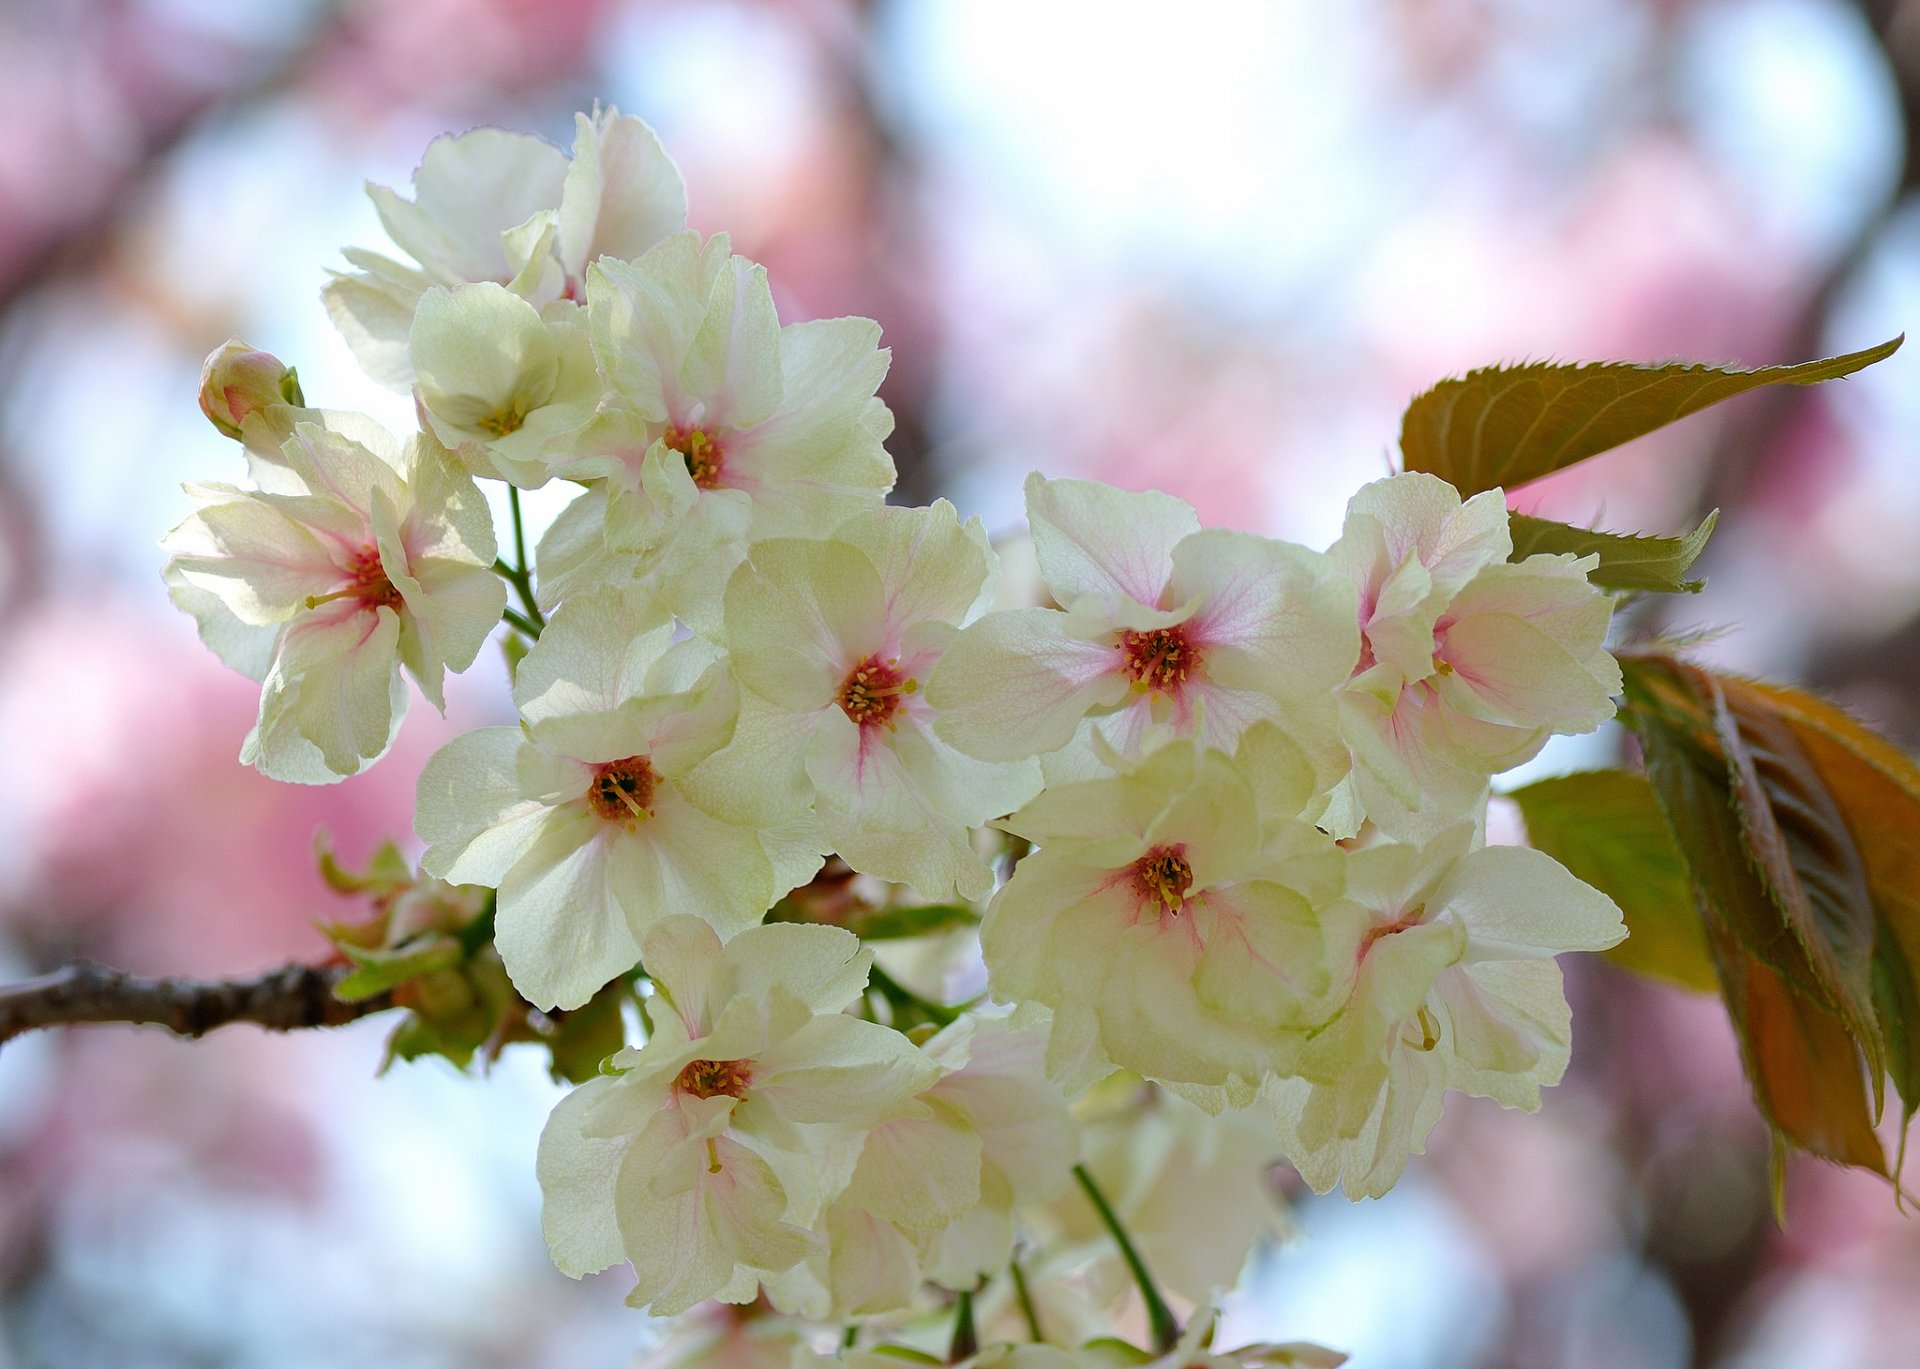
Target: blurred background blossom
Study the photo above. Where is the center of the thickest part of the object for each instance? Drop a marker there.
(1210, 248)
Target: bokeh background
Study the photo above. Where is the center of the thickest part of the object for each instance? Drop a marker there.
(1210, 247)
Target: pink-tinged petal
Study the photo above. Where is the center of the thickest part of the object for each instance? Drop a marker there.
(1218, 717)
(333, 699)
(701, 1219)
(932, 567)
(257, 559)
(880, 818)
(1015, 685)
(799, 615)
(1272, 617)
(1501, 669)
(1093, 539)
(919, 1172)
(734, 362)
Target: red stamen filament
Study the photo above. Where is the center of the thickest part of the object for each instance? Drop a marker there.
(1159, 659)
(366, 582)
(1162, 876)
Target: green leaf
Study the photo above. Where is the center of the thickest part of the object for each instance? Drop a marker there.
(1655, 565)
(1605, 826)
(1506, 425)
(379, 971)
(589, 1034)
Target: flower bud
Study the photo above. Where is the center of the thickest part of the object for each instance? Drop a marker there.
(238, 381)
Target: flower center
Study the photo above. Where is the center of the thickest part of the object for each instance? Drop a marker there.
(504, 422)
(1163, 876)
(1157, 660)
(622, 790)
(366, 583)
(872, 691)
(700, 451)
(711, 1078)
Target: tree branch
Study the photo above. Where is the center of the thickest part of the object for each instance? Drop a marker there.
(290, 997)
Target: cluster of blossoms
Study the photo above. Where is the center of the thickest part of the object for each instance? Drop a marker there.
(1216, 802)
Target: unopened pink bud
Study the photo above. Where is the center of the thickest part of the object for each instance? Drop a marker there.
(239, 381)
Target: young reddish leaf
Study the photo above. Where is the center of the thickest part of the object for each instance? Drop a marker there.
(1877, 788)
(1803, 1061)
(1670, 707)
(1654, 565)
(1804, 852)
(1784, 890)
(1507, 425)
(1605, 826)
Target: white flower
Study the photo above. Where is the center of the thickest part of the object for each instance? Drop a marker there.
(1172, 931)
(490, 205)
(834, 637)
(722, 425)
(1451, 984)
(580, 819)
(1468, 663)
(939, 1180)
(354, 565)
(1161, 626)
(499, 383)
(719, 1142)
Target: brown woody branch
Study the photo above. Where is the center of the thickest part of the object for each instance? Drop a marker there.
(291, 997)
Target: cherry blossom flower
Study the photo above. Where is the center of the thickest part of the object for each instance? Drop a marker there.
(364, 558)
(497, 382)
(1162, 626)
(712, 1149)
(1450, 984)
(1168, 924)
(1468, 663)
(509, 208)
(579, 817)
(833, 637)
(720, 425)
(939, 1180)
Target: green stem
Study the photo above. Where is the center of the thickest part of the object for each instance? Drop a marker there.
(966, 1341)
(517, 574)
(1160, 1318)
(1025, 1297)
(519, 529)
(519, 624)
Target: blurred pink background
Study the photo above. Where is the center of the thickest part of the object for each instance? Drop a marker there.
(1211, 248)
